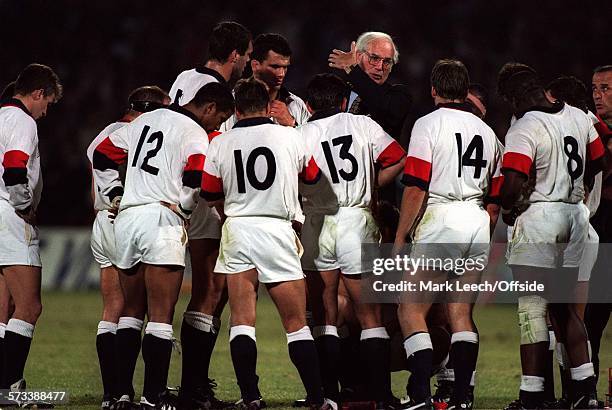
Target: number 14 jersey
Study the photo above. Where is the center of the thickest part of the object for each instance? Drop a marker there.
(454, 156)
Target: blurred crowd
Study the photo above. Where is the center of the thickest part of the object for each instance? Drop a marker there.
(102, 50)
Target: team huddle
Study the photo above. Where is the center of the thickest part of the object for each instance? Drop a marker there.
(256, 185)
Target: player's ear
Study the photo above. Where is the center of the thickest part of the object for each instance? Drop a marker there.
(233, 57)
(255, 65)
(38, 94)
(344, 104)
(210, 108)
(434, 94)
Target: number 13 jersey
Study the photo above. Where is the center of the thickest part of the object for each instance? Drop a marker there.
(454, 156)
(557, 142)
(345, 146)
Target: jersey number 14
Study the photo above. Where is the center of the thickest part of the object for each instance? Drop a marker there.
(472, 156)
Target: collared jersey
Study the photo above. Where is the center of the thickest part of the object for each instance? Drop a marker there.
(454, 155)
(165, 151)
(101, 202)
(556, 142)
(346, 147)
(189, 82)
(21, 183)
(256, 166)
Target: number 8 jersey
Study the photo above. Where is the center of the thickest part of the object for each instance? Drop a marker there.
(454, 155)
(557, 143)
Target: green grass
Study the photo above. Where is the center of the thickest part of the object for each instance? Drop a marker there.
(63, 355)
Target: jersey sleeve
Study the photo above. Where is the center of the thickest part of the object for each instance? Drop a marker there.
(212, 184)
(309, 171)
(194, 155)
(417, 171)
(520, 150)
(107, 156)
(387, 151)
(497, 179)
(21, 146)
(595, 148)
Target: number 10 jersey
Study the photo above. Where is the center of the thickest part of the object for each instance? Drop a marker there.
(454, 156)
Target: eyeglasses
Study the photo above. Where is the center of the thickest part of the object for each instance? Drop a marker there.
(374, 60)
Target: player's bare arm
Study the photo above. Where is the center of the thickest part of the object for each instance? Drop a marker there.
(510, 193)
(387, 175)
(412, 200)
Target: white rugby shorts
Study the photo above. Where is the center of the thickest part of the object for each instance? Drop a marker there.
(269, 245)
(335, 241)
(454, 230)
(103, 239)
(150, 234)
(19, 244)
(549, 235)
(205, 222)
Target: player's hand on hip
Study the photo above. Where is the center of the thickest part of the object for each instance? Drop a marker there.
(280, 112)
(343, 60)
(177, 210)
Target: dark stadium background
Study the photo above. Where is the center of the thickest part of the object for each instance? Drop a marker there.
(103, 49)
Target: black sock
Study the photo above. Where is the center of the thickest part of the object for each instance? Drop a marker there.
(128, 346)
(374, 355)
(549, 377)
(328, 348)
(16, 350)
(197, 346)
(419, 364)
(465, 355)
(244, 358)
(156, 353)
(531, 399)
(303, 354)
(583, 387)
(350, 371)
(105, 345)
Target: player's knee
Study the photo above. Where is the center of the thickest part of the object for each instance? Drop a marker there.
(532, 319)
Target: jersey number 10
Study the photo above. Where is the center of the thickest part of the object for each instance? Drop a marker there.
(250, 169)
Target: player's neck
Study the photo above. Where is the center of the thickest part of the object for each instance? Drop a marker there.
(439, 100)
(273, 94)
(258, 114)
(225, 69)
(26, 100)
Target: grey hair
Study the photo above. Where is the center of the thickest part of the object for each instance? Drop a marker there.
(366, 38)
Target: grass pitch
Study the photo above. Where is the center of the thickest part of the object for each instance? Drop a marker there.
(63, 355)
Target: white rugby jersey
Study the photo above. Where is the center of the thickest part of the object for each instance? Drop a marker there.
(165, 151)
(557, 142)
(189, 82)
(256, 166)
(345, 146)
(454, 155)
(21, 183)
(102, 202)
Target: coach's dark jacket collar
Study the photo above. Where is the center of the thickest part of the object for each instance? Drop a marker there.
(556, 107)
(324, 114)
(14, 102)
(181, 110)
(456, 106)
(202, 69)
(249, 122)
